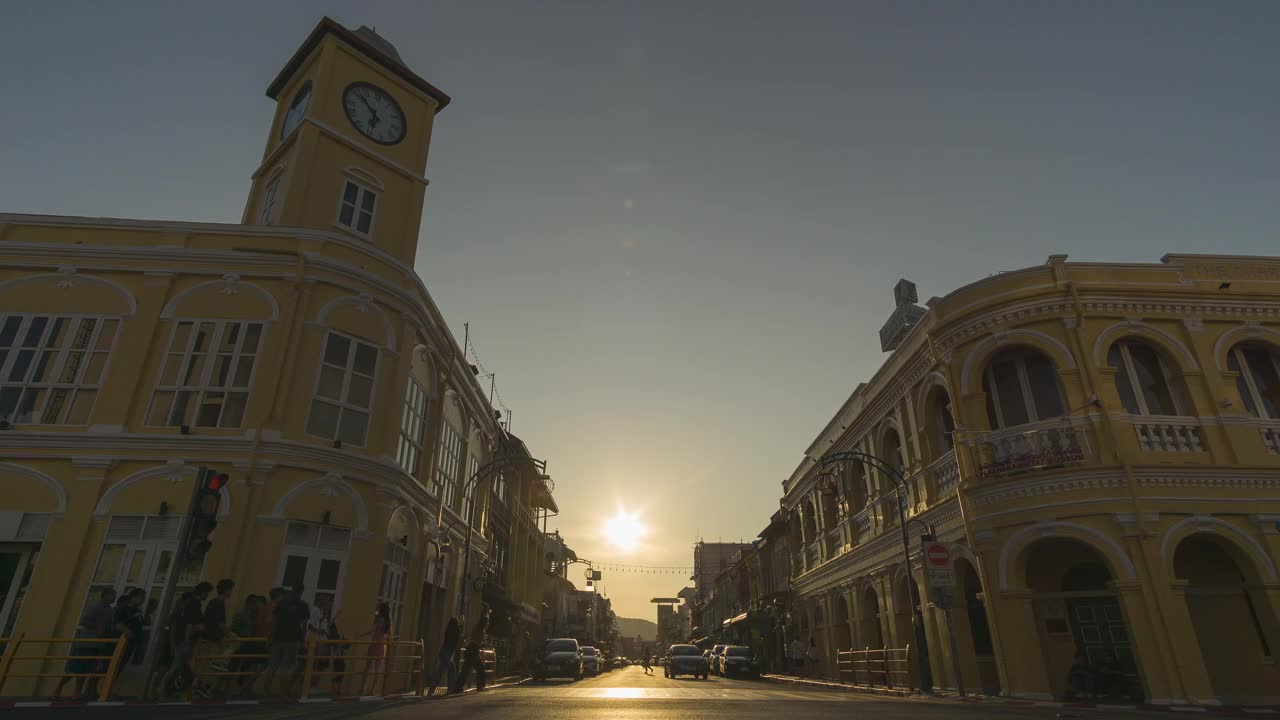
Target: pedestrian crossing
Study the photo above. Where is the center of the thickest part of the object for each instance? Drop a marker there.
(652, 693)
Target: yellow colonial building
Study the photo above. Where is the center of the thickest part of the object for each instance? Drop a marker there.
(297, 351)
(1101, 442)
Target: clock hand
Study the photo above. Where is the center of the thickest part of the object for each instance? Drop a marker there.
(373, 120)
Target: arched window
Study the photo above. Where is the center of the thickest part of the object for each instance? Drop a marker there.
(1148, 381)
(1022, 387)
(891, 449)
(943, 422)
(1259, 379)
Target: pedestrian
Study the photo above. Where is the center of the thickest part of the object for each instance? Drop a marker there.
(797, 657)
(318, 629)
(97, 622)
(446, 660)
(644, 661)
(216, 643)
(244, 626)
(472, 661)
(288, 631)
(338, 650)
(185, 627)
(379, 635)
(128, 624)
(811, 655)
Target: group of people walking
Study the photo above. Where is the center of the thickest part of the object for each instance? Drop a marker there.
(457, 670)
(265, 640)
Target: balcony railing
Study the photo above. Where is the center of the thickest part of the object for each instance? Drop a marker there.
(1271, 436)
(811, 556)
(1030, 447)
(945, 473)
(834, 543)
(1161, 434)
(862, 525)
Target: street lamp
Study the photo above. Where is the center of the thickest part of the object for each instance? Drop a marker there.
(917, 617)
(483, 472)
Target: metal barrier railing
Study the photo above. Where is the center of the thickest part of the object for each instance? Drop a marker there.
(321, 659)
(104, 654)
(876, 667)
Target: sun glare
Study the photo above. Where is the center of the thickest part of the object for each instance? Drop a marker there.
(623, 531)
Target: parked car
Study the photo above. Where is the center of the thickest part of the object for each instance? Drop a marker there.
(714, 660)
(591, 661)
(562, 657)
(739, 660)
(685, 660)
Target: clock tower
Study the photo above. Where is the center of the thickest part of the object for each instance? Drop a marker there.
(347, 150)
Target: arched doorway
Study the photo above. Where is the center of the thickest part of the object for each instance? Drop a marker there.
(903, 633)
(843, 630)
(1231, 622)
(973, 633)
(1077, 611)
(869, 634)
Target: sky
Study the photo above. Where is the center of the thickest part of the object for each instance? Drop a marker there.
(674, 227)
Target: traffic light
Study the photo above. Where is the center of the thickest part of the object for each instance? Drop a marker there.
(204, 518)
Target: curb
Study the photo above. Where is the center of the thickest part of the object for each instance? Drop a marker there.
(28, 704)
(992, 700)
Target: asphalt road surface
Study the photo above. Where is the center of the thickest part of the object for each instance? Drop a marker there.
(622, 695)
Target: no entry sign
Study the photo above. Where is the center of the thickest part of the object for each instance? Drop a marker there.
(938, 555)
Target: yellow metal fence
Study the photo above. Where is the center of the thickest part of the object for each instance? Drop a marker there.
(29, 658)
(876, 667)
(397, 667)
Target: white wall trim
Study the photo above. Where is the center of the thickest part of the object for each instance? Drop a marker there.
(229, 284)
(71, 275)
(1231, 338)
(1110, 548)
(1187, 527)
(1011, 337)
(44, 479)
(175, 471)
(1118, 331)
(365, 304)
(330, 483)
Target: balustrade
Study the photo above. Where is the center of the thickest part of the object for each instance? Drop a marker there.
(1271, 437)
(1168, 434)
(1030, 447)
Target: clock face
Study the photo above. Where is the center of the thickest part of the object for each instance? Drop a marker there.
(297, 109)
(374, 113)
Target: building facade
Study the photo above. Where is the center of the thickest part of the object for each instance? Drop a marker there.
(298, 351)
(1101, 445)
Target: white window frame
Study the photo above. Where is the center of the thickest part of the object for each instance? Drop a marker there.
(348, 371)
(90, 350)
(203, 386)
(395, 576)
(448, 464)
(413, 427)
(315, 554)
(1131, 374)
(362, 191)
(1246, 373)
(270, 198)
(1024, 382)
(157, 536)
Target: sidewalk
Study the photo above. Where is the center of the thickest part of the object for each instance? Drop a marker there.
(945, 696)
(404, 697)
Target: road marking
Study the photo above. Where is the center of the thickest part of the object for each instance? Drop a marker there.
(691, 693)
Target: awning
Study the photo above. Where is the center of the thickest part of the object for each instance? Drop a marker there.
(735, 620)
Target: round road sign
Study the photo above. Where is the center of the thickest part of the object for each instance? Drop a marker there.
(938, 555)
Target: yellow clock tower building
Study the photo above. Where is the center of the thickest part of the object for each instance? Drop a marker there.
(298, 351)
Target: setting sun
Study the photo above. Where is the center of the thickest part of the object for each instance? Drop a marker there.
(623, 531)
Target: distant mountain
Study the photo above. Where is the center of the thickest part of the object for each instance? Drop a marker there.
(631, 627)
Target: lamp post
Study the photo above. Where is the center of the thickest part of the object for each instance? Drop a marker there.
(497, 464)
(917, 617)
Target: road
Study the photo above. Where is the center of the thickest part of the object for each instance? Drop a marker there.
(622, 694)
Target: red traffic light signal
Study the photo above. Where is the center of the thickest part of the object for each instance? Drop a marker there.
(216, 481)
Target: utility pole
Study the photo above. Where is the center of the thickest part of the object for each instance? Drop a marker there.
(160, 619)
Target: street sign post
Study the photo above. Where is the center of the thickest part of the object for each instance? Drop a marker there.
(940, 568)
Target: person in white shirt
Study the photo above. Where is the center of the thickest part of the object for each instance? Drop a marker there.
(797, 656)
